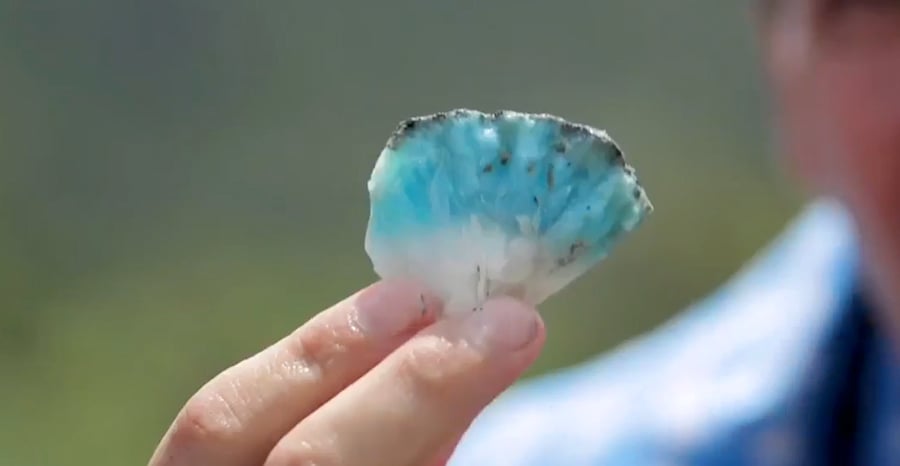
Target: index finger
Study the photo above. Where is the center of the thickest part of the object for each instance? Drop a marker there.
(237, 417)
(409, 407)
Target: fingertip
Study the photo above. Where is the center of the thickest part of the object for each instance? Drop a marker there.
(391, 307)
(504, 325)
(402, 290)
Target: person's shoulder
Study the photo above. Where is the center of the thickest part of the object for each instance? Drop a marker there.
(691, 386)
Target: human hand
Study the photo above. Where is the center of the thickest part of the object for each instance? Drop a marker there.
(374, 380)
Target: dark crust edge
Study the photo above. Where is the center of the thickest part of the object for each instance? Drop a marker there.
(409, 125)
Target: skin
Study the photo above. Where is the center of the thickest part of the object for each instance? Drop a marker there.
(834, 68)
(347, 385)
(374, 380)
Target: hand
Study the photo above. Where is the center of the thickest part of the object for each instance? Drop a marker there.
(372, 381)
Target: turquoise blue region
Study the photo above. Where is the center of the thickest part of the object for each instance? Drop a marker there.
(570, 181)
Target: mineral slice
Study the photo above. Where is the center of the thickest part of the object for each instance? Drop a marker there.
(474, 204)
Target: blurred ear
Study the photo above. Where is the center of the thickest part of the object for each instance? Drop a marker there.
(763, 10)
(832, 66)
(786, 29)
(787, 32)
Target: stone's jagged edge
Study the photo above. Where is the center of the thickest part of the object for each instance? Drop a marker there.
(410, 125)
(468, 259)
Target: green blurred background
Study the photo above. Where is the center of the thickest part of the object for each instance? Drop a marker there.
(183, 181)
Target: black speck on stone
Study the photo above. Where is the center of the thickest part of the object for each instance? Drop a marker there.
(402, 131)
(618, 158)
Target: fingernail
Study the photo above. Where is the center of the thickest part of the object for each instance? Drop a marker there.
(503, 324)
(388, 309)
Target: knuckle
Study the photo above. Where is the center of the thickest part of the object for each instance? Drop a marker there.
(312, 349)
(436, 364)
(207, 418)
(303, 454)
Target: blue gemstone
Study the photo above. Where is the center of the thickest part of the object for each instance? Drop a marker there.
(479, 204)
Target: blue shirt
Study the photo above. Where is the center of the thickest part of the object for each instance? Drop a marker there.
(781, 366)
